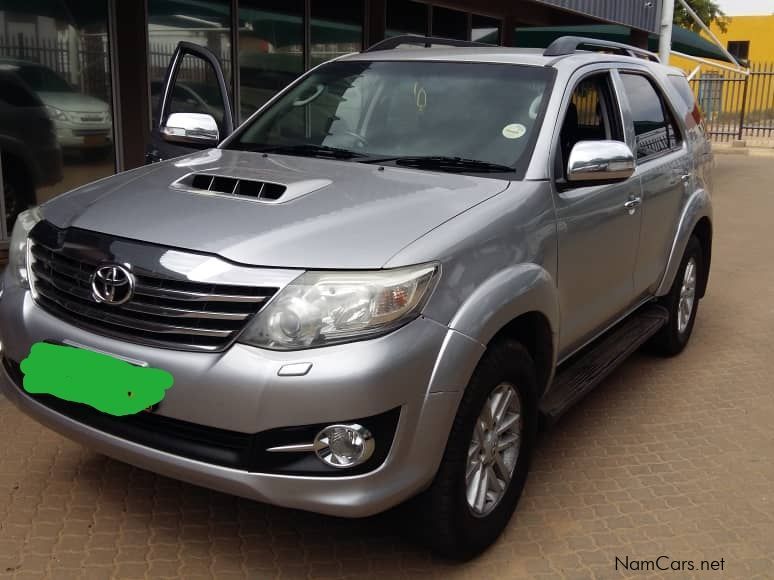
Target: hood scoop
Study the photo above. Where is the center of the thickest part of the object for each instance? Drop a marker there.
(248, 188)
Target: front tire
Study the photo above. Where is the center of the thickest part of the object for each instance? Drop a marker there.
(484, 468)
(682, 302)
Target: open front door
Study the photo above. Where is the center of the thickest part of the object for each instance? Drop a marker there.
(192, 107)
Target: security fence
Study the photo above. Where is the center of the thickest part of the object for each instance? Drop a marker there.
(191, 69)
(84, 64)
(737, 105)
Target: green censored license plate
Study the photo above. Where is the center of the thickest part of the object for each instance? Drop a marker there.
(106, 383)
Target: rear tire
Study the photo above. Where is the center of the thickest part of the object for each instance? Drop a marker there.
(682, 302)
(457, 523)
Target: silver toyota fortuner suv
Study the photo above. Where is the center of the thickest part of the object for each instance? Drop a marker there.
(379, 286)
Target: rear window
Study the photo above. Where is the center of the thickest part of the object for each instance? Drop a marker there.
(680, 83)
(686, 92)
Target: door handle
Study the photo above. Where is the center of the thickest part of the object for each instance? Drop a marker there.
(632, 205)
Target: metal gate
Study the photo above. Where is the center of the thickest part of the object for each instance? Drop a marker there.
(735, 105)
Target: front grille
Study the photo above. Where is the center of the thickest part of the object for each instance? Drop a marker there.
(162, 312)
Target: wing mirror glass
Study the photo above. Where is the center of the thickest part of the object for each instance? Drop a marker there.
(600, 161)
(191, 129)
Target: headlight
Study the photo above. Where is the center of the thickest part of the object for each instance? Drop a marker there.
(17, 251)
(57, 114)
(323, 308)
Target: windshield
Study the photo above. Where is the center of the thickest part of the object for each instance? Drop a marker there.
(474, 111)
(42, 80)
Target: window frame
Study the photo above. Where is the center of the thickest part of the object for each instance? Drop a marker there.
(557, 173)
(520, 168)
(667, 108)
(739, 44)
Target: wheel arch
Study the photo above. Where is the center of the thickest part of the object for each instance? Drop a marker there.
(703, 232)
(696, 219)
(533, 331)
(518, 303)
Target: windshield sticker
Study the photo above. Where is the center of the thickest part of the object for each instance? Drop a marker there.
(514, 131)
(421, 95)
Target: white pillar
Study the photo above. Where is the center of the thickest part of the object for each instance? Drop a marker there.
(665, 40)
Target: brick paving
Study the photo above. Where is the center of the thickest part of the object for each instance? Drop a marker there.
(667, 457)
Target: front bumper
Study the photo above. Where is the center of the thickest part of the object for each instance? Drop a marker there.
(84, 135)
(240, 390)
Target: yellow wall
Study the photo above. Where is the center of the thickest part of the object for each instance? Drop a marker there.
(759, 30)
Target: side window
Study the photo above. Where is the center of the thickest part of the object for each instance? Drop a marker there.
(689, 98)
(592, 115)
(654, 126)
(196, 90)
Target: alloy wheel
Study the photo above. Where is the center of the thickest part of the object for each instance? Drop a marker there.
(687, 296)
(494, 449)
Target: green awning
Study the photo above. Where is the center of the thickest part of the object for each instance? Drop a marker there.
(683, 40)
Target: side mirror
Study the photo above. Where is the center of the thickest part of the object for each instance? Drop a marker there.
(191, 129)
(600, 161)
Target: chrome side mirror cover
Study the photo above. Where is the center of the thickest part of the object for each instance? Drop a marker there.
(600, 161)
(191, 128)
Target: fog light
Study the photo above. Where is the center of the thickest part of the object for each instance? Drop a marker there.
(344, 445)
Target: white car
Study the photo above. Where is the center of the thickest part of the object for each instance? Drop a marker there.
(81, 121)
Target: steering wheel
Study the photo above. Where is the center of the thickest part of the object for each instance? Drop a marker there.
(317, 92)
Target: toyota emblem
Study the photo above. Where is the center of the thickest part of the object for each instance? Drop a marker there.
(112, 284)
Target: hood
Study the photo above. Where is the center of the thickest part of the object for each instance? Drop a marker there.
(74, 102)
(334, 214)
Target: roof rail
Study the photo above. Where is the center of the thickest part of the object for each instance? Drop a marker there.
(570, 44)
(426, 41)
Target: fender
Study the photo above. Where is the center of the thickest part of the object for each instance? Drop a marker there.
(698, 206)
(508, 294)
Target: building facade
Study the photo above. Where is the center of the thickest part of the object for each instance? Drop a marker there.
(749, 38)
(96, 67)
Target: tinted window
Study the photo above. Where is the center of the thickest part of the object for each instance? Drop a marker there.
(689, 98)
(406, 17)
(204, 22)
(271, 48)
(685, 90)
(336, 29)
(655, 129)
(196, 90)
(54, 53)
(485, 29)
(450, 23)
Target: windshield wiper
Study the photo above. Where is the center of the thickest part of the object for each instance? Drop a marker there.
(444, 163)
(306, 149)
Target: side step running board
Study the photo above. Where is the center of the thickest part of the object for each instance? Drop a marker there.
(590, 367)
